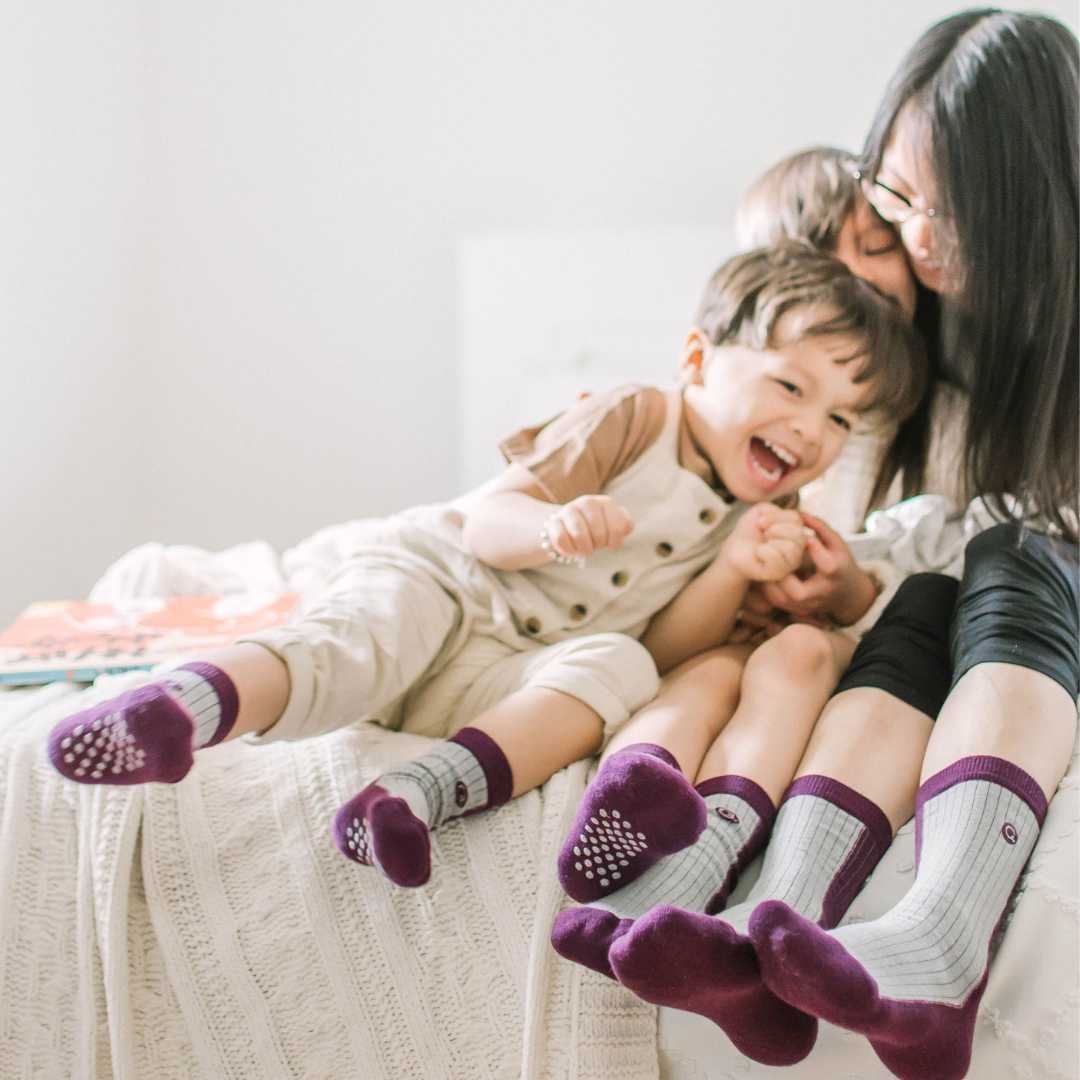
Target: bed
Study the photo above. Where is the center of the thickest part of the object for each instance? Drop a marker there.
(210, 929)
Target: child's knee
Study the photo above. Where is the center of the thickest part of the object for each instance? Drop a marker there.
(798, 652)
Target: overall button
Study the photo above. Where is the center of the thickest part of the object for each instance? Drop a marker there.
(620, 578)
(664, 549)
(578, 612)
(533, 625)
(707, 517)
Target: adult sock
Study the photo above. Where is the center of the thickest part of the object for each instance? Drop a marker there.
(912, 980)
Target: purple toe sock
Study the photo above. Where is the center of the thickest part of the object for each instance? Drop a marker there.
(584, 935)
(701, 964)
(140, 736)
(375, 828)
(638, 809)
(806, 967)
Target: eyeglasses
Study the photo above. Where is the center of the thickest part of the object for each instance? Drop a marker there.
(890, 204)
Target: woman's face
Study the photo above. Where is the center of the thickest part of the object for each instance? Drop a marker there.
(905, 168)
(871, 249)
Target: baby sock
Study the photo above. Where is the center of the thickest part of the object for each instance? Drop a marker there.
(826, 841)
(388, 823)
(912, 980)
(699, 877)
(638, 809)
(149, 733)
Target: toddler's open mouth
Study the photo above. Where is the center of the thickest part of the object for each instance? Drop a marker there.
(770, 462)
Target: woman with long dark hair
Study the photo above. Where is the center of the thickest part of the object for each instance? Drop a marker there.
(973, 158)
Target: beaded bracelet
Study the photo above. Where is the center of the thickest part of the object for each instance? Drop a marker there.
(547, 546)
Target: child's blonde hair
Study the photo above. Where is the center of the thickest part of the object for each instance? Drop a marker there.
(807, 196)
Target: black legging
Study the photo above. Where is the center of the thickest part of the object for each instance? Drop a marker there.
(1017, 604)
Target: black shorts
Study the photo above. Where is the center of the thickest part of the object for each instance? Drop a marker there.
(1017, 604)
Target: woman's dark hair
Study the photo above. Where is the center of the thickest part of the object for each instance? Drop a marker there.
(997, 92)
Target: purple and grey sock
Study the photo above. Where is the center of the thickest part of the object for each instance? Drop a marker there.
(388, 823)
(826, 840)
(147, 734)
(912, 980)
(699, 877)
(638, 809)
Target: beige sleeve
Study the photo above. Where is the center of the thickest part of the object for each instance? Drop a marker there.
(580, 451)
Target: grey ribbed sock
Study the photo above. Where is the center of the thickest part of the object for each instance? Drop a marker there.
(699, 877)
(199, 699)
(977, 836)
(826, 841)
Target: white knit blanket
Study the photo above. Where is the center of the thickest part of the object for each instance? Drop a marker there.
(211, 930)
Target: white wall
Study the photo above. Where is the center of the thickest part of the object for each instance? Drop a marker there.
(72, 266)
(230, 255)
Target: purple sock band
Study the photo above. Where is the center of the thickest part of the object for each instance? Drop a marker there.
(226, 692)
(849, 800)
(996, 770)
(653, 750)
(866, 853)
(743, 788)
(497, 771)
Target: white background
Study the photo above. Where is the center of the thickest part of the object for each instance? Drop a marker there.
(232, 235)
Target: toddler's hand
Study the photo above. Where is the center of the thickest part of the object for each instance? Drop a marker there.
(767, 544)
(589, 523)
(838, 587)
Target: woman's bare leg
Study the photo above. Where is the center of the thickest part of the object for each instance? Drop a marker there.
(1009, 712)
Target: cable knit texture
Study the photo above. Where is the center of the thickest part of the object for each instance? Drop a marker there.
(210, 930)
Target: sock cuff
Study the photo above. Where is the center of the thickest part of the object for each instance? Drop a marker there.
(849, 800)
(228, 699)
(996, 770)
(497, 771)
(653, 750)
(743, 788)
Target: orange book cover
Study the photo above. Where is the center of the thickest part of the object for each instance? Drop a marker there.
(69, 640)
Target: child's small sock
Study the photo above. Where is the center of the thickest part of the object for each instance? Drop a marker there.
(911, 981)
(638, 809)
(147, 734)
(388, 823)
(739, 815)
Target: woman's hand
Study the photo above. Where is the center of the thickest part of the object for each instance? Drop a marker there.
(588, 523)
(766, 544)
(837, 587)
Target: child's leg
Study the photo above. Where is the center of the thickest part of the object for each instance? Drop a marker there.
(551, 708)
(784, 685)
(376, 630)
(641, 805)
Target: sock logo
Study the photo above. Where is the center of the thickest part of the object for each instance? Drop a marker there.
(461, 794)
(1008, 830)
(727, 815)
